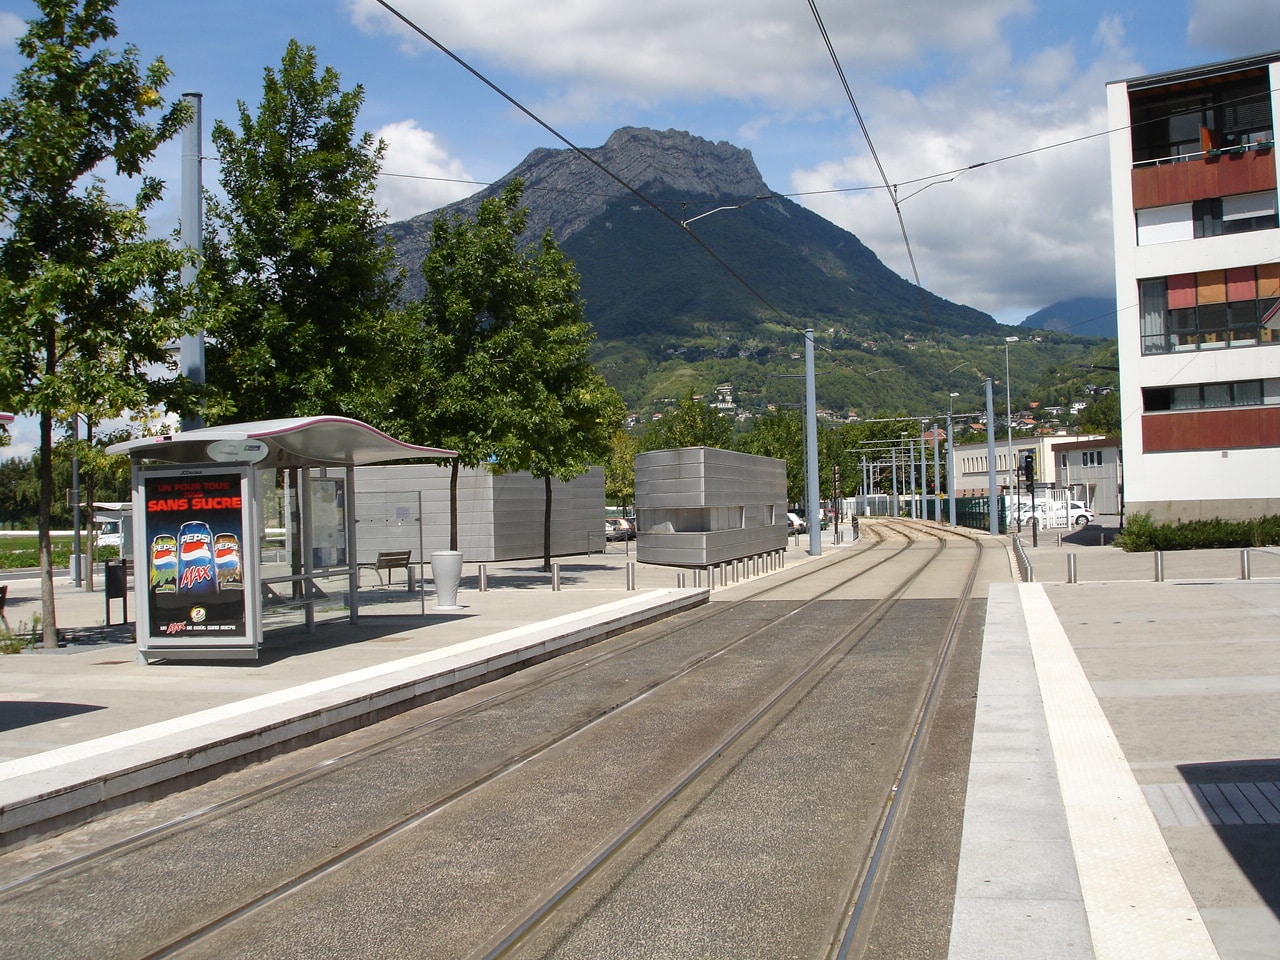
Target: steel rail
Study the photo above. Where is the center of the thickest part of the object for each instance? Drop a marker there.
(196, 818)
(819, 665)
(870, 885)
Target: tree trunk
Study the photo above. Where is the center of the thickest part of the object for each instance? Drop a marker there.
(546, 526)
(44, 469)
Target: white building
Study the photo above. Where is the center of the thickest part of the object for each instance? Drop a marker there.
(1197, 252)
(971, 465)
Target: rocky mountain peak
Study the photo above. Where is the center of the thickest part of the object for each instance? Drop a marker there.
(566, 192)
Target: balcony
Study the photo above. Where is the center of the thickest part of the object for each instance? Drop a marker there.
(1250, 168)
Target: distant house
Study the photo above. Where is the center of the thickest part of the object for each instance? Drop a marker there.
(1092, 470)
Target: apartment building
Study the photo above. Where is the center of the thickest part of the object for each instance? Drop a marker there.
(1197, 253)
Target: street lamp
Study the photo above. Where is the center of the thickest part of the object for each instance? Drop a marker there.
(1008, 409)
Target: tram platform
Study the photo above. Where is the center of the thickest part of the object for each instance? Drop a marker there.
(1123, 791)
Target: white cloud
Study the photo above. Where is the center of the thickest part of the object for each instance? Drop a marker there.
(418, 174)
(747, 50)
(12, 27)
(1007, 237)
(24, 439)
(1234, 28)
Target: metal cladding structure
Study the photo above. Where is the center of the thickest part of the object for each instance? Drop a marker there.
(701, 506)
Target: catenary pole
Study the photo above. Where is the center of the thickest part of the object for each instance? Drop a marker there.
(811, 435)
(191, 346)
(991, 463)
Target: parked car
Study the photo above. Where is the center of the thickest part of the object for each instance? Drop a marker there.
(618, 529)
(1073, 513)
(796, 524)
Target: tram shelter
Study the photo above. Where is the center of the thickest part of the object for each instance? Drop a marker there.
(232, 524)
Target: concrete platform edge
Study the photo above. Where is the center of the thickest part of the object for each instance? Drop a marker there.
(60, 787)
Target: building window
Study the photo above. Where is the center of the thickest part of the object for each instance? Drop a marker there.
(1189, 123)
(1217, 216)
(1210, 310)
(1202, 396)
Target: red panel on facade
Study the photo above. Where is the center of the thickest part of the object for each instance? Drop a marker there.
(1182, 291)
(1239, 428)
(1242, 284)
(1203, 179)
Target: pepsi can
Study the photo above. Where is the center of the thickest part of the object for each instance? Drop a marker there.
(164, 564)
(226, 561)
(196, 576)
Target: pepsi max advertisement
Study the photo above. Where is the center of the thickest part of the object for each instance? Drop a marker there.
(195, 555)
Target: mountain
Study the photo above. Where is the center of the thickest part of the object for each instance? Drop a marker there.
(643, 274)
(695, 274)
(1081, 316)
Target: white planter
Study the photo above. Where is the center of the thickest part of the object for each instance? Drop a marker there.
(446, 571)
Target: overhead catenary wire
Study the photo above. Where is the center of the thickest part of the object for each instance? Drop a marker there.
(787, 320)
(889, 188)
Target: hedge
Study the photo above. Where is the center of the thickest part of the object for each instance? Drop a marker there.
(1140, 534)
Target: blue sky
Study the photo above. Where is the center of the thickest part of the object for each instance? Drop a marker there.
(941, 84)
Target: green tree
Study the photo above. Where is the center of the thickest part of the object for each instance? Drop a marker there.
(87, 301)
(1102, 416)
(567, 414)
(780, 434)
(692, 424)
(454, 388)
(19, 493)
(620, 469)
(494, 356)
(304, 284)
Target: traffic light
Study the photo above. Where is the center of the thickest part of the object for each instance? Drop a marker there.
(1029, 467)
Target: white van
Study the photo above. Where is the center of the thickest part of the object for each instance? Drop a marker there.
(109, 534)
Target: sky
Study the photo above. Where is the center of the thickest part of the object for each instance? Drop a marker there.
(1015, 85)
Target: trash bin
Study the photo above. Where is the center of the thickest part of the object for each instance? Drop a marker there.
(117, 576)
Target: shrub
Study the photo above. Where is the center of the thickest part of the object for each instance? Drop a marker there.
(1140, 534)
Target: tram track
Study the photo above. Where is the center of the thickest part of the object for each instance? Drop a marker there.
(657, 641)
(441, 715)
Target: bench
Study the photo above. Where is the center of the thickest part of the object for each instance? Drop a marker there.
(389, 560)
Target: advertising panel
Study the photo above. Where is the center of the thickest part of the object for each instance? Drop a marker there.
(195, 525)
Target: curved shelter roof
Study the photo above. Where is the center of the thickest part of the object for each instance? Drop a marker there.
(288, 442)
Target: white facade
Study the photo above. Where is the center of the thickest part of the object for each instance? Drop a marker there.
(971, 462)
(1197, 254)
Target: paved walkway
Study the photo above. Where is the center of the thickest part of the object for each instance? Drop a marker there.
(1123, 798)
(1124, 795)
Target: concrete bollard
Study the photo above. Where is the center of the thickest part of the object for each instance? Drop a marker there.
(1071, 568)
(483, 574)
(680, 580)
(1159, 559)
(555, 576)
(631, 576)
(1244, 564)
